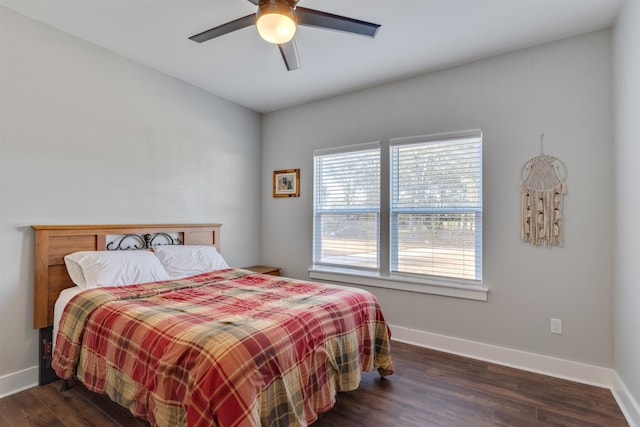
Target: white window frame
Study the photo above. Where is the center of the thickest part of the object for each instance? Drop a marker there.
(318, 213)
(468, 289)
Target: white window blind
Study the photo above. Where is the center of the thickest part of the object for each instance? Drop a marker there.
(436, 206)
(347, 208)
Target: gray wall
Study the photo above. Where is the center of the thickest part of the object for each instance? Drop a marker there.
(627, 200)
(89, 137)
(561, 89)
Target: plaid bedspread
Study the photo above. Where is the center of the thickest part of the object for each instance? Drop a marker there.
(226, 348)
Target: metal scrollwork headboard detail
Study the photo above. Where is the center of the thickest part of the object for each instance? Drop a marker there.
(131, 242)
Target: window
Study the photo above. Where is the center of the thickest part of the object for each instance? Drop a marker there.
(403, 211)
(436, 207)
(347, 208)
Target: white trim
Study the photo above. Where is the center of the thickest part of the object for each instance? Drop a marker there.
(471, 133)
(559, 368)
(347, 148)
(17, 381)
(628, 405)
(478, 293)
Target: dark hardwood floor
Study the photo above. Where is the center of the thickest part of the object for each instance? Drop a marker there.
(429, 388)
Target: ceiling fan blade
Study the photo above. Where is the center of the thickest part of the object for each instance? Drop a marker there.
(238, 24)
(317, 18)
(289, 53)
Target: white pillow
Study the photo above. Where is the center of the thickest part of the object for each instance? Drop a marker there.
(94, 269)
(188, 260)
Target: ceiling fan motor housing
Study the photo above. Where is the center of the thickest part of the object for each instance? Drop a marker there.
(288, 3)
(282, 7)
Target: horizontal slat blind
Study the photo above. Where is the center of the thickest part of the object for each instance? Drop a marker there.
(436, 207)
(347, 209)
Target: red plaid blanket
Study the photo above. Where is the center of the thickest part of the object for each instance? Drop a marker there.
(226, 348)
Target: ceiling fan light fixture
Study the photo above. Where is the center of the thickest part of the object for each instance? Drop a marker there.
(276, 22)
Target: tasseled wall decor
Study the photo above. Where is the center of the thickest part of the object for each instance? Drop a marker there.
(543, 187)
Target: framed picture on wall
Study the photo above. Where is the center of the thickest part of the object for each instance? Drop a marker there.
(286, 183)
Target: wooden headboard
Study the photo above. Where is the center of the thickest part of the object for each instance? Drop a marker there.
(53, 242)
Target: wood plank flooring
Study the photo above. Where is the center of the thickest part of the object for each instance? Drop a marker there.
(429, 388)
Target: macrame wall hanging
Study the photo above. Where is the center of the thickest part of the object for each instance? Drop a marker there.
(543, 187)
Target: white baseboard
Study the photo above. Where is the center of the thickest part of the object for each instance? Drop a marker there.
(559, 368)
(18, 381)
(566, 369)
(628, 405)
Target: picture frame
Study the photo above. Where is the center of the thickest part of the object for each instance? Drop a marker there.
(286, 183)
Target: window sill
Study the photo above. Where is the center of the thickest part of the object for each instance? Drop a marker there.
(478, 293)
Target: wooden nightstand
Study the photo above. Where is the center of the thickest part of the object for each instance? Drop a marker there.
(274, 271)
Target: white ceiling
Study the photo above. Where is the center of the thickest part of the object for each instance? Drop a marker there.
(416, 36)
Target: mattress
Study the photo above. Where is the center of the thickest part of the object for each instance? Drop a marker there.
(63, 299)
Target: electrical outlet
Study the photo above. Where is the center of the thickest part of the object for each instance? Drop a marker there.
(556, 326)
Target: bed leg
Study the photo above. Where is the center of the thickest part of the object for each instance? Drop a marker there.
(65, 386)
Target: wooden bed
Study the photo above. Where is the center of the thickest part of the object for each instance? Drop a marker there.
(218, 348)
(53, 242)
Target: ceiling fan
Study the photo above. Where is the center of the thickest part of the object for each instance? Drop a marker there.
(276, 21)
